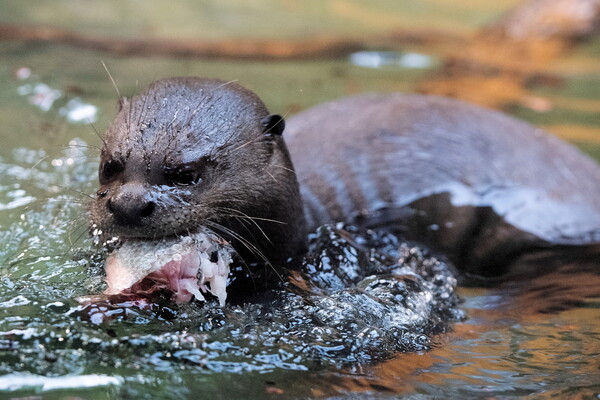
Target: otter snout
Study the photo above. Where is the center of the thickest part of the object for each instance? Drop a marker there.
(130, 205)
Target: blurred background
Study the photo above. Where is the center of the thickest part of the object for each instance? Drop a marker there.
(295, 54)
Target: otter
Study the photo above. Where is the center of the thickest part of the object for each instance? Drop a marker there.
(489, 191)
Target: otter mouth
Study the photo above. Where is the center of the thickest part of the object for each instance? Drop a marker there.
(185, 267)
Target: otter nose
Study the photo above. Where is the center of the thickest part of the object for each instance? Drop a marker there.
(130, 205)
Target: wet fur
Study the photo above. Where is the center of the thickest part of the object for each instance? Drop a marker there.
(495, 194)
(217, 129)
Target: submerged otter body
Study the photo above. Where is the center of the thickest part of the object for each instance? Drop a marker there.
(486, 189)
(480, 186)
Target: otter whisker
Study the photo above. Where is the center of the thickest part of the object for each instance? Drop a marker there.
(201, 102)
(64, 200)
(228, 232)
(284, 168)
(253, 249)
(250, 219)
(38, 162)
(60, 154)
(81, 146)
(282, 120)
(243, 215)
(111, 79)
(130, 111)
(79, 236)
(271, 175)
(17, 260)
(170, 125)
(72, 226)
(79, 224)
(237, 236)
(76, 224)
(244, 223)
(142, 113)
(216, 227)
(170, 138)
(96, 131)
(245, 144)
(79, 192)
(227, 83)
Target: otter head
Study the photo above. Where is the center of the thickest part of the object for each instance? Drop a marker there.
(190, 153)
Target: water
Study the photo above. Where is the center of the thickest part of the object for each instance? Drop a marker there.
(52, 331)
(542, 341)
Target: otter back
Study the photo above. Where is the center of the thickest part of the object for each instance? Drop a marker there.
(480, 186)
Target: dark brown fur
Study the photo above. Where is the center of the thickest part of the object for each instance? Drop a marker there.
(190, 152)
(493, 193)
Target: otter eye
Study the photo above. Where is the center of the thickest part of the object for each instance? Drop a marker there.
(111, 168)
(182, 177)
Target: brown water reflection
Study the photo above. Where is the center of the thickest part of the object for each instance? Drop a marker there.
(515, 343)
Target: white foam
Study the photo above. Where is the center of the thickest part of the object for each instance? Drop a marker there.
(19, 381)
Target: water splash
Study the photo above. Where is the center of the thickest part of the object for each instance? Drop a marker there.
(43, 96)
(365, 298)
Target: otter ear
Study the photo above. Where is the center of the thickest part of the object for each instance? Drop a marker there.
(123, 101)
(273, 125)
